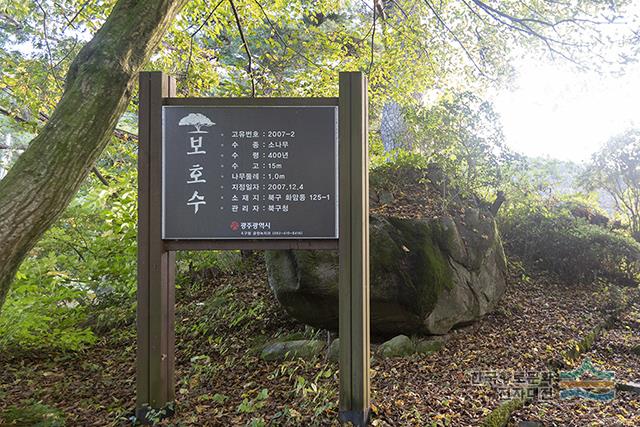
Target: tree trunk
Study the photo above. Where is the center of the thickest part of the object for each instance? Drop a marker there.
(497, 203)
(98, 88)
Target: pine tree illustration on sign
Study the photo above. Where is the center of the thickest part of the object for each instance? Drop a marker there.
(197, 120)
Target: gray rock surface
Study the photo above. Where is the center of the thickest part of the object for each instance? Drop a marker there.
(427, 275)
(428, 346)
(305, 349)
(333, 354)
(398, 346)
(530, 424)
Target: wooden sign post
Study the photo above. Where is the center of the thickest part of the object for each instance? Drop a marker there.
(353, 273)
(250, 173)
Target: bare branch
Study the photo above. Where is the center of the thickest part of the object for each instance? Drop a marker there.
(74, 17)
(100, 177)
(246, 48)
(400, 8)
(366, 36)
(373, 37)
(523, 25)
(193, 35)
(455, 37)
(66, 55)
(280, 38)
(420, 47)
(46, 42)
(119, 133)
(13, 116)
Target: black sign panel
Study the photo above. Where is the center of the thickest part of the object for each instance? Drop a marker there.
(250, 172)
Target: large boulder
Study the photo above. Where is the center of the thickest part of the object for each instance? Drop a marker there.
(427, 275)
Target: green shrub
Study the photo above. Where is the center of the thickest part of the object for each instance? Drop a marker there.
(393, 170)
(83, 271)
(556, 241)
(43, 310)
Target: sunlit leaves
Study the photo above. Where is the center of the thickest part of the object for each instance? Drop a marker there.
(616, 169)
(298, 47)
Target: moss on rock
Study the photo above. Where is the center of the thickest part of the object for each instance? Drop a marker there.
(399, 346)
(428, 346)
(426, 268)
(288, 350)
(500, 416)
(419, 272)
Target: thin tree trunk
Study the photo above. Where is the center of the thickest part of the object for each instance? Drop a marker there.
(98, 88)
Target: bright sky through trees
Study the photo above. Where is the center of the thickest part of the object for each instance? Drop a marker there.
(557, 112)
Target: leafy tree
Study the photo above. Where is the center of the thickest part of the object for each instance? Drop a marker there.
(98, 87)
(463, 135)
(232, 48)
(616, 170)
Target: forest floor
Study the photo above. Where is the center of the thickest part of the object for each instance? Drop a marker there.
(224, 318)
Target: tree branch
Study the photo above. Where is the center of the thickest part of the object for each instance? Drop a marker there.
(193, 35)
(373, 37)
(246, 47)
(455, 37)
(13, 116)
(99, 175)
(281, 39)
(48, 46)
(75, 16)
(522, 25)
(94, 170)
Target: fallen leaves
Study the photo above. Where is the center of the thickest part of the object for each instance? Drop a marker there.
(222, 382)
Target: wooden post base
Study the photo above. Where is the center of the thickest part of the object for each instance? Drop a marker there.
(357, 418)
(150, 416)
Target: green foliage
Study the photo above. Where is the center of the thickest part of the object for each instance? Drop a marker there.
(34, 414)
(556, 241)
(459, 136)
(83, 272)
(540, 179)
(85, 262)
(463, 136)
(192, 262)
(43, 310)
(84, 268)
(298, 46)
(248, 406)
(155, 416)
(616, 170)
(318, 391)
(389, 170)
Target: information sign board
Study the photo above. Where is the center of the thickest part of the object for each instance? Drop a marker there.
(250, 172)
